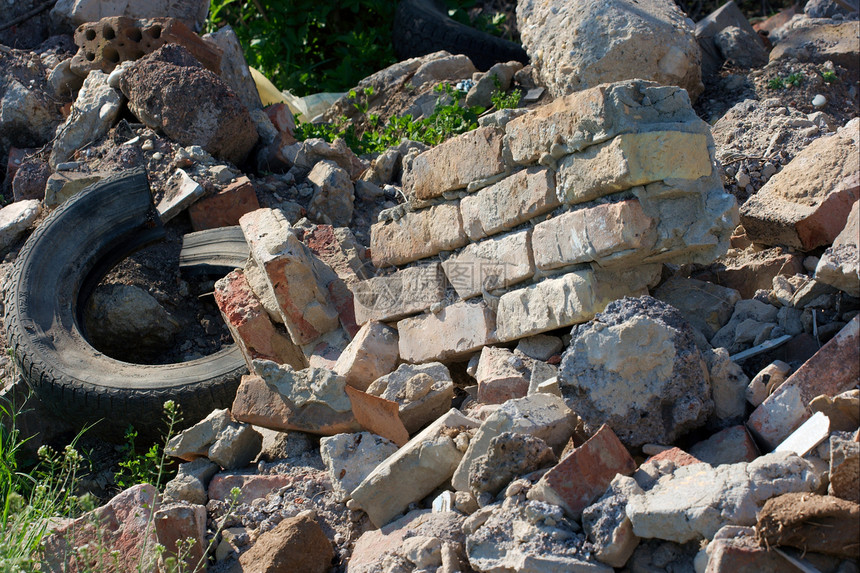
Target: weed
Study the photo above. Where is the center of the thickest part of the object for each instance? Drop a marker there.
(829, 76)
(362, 104)
(505, 101)
(794, 79)
(776, 83)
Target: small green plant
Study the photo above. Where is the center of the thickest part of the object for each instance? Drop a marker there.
(153, 465)
(505, 101)
(776, 83)
(361, 99)
(794, 79)
(829, 76)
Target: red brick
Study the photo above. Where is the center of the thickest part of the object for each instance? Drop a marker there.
(251, 326)
(835, 368)
(225, 207)
(583, 476)
(676, 455)
(730, 446)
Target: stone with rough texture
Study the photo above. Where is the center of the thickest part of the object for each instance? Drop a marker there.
(746, 311)
(528, 537)
(540, 346)
(334, 194)
(15, 219)
(426, 461)
(455, 163)
(735, 548)
(293, 273)
(595, 115)
(741, 46)
(636, 368)
(441, 66)
(632, 159)
(729, 446)
(124, 527)
(544, 416)
(583, 476)
(417, 235)
(235, 446)
(195, 441)
(260, 404)
(751, 270)
(605, 234)
(508, 456)
(607, 524)
(179, 193)
(843, 410)
(251, 486)
(378, 415)
(171, 92)
(387, 545)
(307, 386)
(570, 299)
(28, 177)
(191, 481)
(126, 321)
(810, 522)
(583, 44)
(174, 524)
(728, 387)
(695, 501)
(840, 264)
(224, 208)
(511, 201)
(833, 369)
(844, 467)
(77, 12)
(372, 353)
(29, 115)
(422, 391)
(708, 28)
(835, 42)
(501, 375)
(349, 458)
(65, 184)
(93, 113)
(458, 329)
(492, 264)
(403, 293)
(295, 544)
(807, 203)
(707, 306)
(234, 68)
(250, 325)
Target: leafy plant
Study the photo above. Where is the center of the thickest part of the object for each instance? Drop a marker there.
(829, 76)
(151, 466)
(310, 46)
(505, 101)
(794, 79)
(776, 83)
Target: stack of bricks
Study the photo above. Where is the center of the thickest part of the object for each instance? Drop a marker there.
(516, 230)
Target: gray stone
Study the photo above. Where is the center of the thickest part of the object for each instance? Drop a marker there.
(636, 367)
(741, 47)
(616, 40)
(73, 13)
(180, 191)
(302, 387)
(750, 309)
(726, 16)
(728, 386)
(446, 67)
(234, 68)
(607, 525)
(194, 442)
(64, 184)
(499, 75)
(508, 456)
(844, 467)
(127, 322)
(235, 446)
(334, 194)
(544, 416)
(695, 501)
(705, 305)
(529, 537)
(191, 481)
(422, 391)
(93, 113)
(349, 458)
(540, 346)
(15, 219)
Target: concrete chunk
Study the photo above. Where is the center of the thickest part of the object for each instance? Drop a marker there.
(458, 329)
(423, 392)
(840, 264)
(414, 471)
(371, 354)
(417, 235)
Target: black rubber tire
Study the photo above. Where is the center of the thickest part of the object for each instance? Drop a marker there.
(54, 274)
(423, 26)
(214, 251)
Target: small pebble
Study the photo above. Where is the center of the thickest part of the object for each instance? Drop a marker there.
(158, 156)
(147, 145)
(819, 101)
(68, 166)
(742, 179)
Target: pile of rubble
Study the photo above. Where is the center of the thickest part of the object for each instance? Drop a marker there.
(543, 345)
